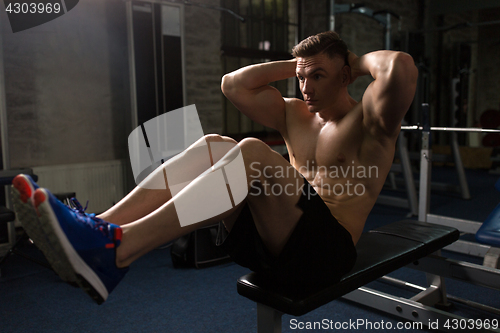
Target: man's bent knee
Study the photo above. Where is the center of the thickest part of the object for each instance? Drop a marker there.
(260, 160)
(218, 138)
(219, 146)
(253, 144)
(254, 151)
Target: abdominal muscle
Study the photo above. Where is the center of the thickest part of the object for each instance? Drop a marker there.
(350, 200)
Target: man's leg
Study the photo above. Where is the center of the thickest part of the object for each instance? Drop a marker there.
(140, 202)
(143, 200)
(94, 250)
(274, 190)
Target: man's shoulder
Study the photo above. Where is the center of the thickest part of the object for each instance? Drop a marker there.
(293, 102)
(296, 115)
(295, 106)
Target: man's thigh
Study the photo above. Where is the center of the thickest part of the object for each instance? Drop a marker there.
(275, 188)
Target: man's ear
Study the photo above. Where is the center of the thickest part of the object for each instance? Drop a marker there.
(346, 75)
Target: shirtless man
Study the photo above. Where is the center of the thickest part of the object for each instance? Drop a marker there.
(342, 148)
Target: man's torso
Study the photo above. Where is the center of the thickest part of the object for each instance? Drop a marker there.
(344, 161)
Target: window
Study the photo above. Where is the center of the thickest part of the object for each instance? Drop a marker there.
(269, 32)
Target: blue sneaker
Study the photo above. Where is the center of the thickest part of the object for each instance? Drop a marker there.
(78, 208)
(23, 190)
(86, 245)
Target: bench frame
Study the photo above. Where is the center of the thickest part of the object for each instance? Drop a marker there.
(490, 253)
(429, 305)
(425, 307)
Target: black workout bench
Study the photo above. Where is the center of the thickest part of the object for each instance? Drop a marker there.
(380, 252)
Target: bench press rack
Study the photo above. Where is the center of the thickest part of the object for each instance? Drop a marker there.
(490, 253)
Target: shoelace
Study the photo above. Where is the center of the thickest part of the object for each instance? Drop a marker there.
(96, 223)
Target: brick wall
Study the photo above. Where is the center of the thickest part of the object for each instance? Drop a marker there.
(203, 64)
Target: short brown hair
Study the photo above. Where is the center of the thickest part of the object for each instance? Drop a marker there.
(328, 42)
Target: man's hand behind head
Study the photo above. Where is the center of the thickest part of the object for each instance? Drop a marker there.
(353, 62)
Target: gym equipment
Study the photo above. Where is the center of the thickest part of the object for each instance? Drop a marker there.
(6, 216)
(488, 251)
(4, 138)
(383, 17)
(450, 129)
(380, 251)
(489, 234)
(198, 249)
(405, 167)
(405, 243)
(411, 202)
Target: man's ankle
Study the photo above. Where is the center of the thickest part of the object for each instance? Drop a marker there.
(121, 258)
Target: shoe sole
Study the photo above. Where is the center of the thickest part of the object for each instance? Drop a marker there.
(70, 261)
(22, 192)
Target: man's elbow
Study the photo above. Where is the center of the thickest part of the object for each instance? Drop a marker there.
(232, 84)
(404, 66)
(226, 85)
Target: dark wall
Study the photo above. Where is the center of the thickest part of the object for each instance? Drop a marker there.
(67, 87)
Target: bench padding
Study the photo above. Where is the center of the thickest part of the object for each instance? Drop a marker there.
(489, 233)
(380, 252)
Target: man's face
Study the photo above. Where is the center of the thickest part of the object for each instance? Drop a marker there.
(320, 79)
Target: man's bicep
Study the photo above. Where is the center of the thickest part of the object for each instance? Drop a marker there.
(386, 101)
(265, 106)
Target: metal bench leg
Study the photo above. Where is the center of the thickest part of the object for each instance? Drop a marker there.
(435, 294)
(492, 258)
(268, 319)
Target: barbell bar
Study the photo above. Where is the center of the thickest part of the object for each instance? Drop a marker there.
(451, 129)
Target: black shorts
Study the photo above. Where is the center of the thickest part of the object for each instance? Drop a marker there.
(320, 250)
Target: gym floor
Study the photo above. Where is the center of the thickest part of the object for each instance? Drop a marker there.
(155, 297)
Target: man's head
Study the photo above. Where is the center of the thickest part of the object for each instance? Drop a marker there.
(322, 69)
(328, 42)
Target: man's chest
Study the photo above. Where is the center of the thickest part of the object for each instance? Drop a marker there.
(325, 144)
